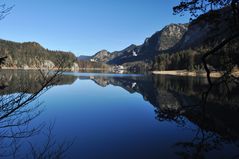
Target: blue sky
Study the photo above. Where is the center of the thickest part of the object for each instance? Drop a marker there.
(87, 26)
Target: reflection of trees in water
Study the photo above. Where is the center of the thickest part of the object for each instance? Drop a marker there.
(179, 99)
(201, 143)
(213, 112)
(19, 90)
(14, 81)
(204, 142)
(210, 134)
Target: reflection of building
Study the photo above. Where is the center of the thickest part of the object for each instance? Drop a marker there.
(134, 84)
(118, 69)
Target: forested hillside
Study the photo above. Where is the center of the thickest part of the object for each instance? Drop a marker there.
(33, 55)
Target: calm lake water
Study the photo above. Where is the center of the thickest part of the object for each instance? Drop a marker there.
(127, 116)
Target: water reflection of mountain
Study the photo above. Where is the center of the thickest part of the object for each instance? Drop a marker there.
(15, 81)
(173, 97)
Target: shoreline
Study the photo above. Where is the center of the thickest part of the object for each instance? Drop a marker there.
(67, 69)
(167, 72)
(27, 69)
(191, 73)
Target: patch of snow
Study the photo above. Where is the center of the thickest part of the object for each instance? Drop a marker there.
(133, 85)
(134, 53)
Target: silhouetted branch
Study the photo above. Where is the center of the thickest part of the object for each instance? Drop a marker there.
(50, 149)
(4, 10)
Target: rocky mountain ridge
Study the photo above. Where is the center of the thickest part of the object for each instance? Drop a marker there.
(159, 41)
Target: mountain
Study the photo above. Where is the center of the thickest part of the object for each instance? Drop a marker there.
(126, 55)
(84, 57)
(101, 56)
(179, 46)
(33, 55)
(160, 41)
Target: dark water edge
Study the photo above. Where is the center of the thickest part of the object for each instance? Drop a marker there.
(129, 116)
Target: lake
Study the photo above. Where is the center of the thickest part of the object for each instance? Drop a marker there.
(122, 116)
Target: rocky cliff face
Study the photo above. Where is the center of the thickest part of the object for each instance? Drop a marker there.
(206, 30)
(164, 39)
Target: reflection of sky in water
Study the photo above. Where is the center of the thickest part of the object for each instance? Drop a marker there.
(108, 122)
